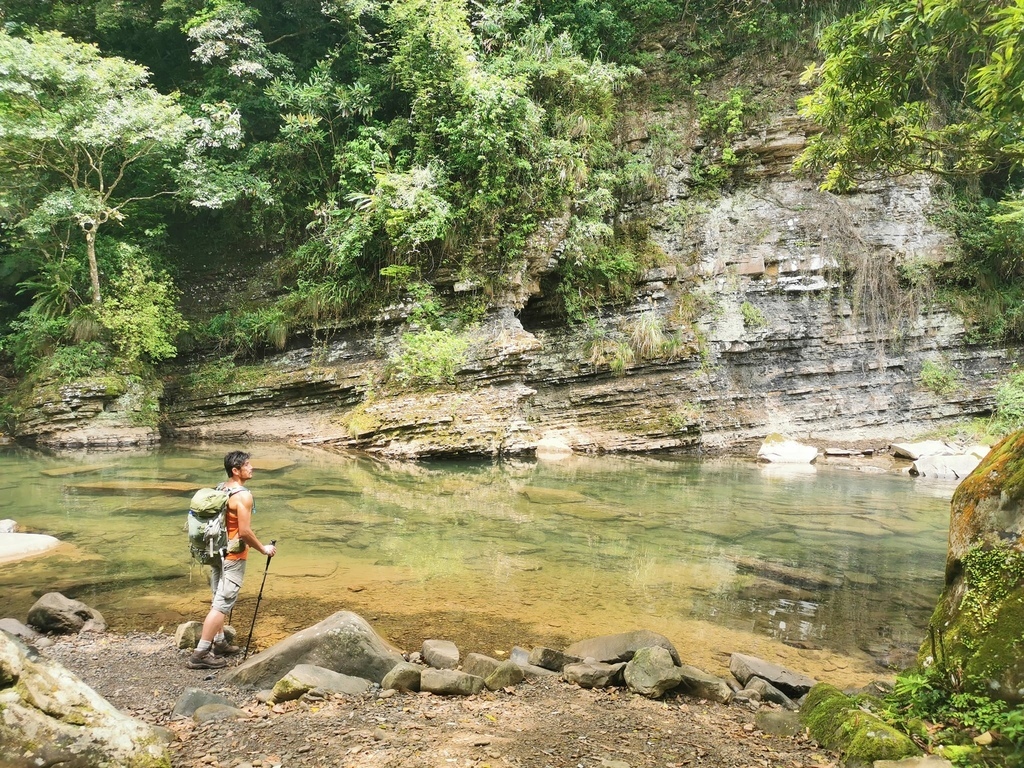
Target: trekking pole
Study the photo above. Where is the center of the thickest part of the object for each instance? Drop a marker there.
(273, 543)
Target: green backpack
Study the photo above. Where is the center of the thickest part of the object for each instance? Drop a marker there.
(207, 523)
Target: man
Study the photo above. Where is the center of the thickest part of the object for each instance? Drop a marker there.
(227, 573)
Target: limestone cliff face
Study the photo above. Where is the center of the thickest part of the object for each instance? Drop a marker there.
(775, 309)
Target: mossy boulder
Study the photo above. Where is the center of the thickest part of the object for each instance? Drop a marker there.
(977, 629)
(48, 716)
(838, 722)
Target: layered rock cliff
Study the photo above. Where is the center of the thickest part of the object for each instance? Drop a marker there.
(776, 308)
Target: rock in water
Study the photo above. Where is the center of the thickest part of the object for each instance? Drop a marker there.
(778, 449)
(50, 717)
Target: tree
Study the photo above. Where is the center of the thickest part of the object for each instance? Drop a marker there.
(919, 85)
(82, 138)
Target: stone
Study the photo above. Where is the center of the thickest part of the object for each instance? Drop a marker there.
(521, 656)
(209, 713)
(553, 449)
(768, 692)
(620, 647)
(927, 761)
(188, 635)
(540, 495)
(837, 722)
(780, 723)
(8, 526)
(343, 642)
(506, 675)
(58, 614)
(18, 546)
(955, 467)
(791, 683)
(441, 654)
(593, 674)
(404, 676)
(19, 630)
(697, 682)
(50, 717)
(651, 672)
(551, 659)
(450, 682)
(915, 451)
(478, 664)
(194, 698)
(778, 449)
(306, 677)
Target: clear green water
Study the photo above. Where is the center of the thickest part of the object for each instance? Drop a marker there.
(718, 556)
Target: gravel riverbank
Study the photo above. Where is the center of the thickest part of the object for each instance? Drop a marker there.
(538, 724)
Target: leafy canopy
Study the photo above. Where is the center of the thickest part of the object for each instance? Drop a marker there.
(912, 85)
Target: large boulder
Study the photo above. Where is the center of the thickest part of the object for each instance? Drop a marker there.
(344, 642)
(621, 647)
(978, 624)
(63, 616)
(50, 717)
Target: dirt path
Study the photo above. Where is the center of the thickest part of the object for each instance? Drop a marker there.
(540, 724)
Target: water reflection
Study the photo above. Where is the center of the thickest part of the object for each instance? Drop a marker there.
(719, 556)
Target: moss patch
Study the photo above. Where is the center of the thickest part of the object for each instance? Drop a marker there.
(838, 723)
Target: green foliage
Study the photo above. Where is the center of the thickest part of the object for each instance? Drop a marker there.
(990, 575)
(939, 377)
(246, 332)
(68, 364)
(1009, 410)
(428, 358)
(141, 313)
(753, 318)
(908, 86)
(952, 717)
(720, 122)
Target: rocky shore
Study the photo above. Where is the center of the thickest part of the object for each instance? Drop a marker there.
(541, 722)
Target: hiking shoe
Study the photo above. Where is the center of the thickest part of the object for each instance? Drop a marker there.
(205, 660)
(225, 649)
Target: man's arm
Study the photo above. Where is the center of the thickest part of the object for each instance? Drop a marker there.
(242, 505)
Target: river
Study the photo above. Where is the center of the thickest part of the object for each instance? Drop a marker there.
(828, 570)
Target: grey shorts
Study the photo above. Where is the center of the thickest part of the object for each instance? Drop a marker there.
(225, 583)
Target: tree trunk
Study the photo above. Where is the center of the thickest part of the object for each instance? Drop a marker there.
(94, 271)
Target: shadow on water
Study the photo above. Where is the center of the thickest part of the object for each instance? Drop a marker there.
(838, 568)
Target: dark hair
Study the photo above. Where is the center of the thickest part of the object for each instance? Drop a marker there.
(235, 460)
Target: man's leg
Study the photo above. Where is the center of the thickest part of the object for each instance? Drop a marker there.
(228, 586)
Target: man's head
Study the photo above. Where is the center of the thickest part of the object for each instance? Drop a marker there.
(235, 460)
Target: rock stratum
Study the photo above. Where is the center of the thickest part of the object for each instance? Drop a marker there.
(774, 309)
